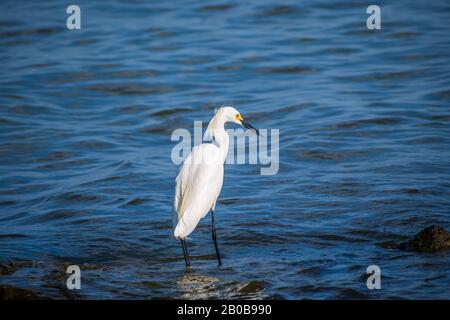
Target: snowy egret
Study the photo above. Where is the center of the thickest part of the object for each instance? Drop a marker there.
(200, 178)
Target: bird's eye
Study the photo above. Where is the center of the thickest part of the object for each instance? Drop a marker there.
(238, 117)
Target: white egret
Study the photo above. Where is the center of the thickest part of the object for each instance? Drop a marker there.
(200, 178)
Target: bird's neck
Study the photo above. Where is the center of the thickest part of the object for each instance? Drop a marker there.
(217, 134)
(221, 139)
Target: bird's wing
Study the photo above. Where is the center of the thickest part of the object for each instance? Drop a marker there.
(198, 185)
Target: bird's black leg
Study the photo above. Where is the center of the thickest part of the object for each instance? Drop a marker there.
(185, 252)
(213, 233)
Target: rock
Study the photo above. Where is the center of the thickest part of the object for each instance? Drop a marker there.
(252, 286)
(151, 284)
(13, 293)
(431, 239)
(9, 268)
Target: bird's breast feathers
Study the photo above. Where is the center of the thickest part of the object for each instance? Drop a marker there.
(199, 181)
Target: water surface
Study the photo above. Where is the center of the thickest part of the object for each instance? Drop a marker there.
(85, 124)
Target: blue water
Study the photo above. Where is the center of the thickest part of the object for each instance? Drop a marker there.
(86, 117)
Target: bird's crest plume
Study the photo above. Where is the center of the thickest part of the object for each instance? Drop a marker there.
(213, 125)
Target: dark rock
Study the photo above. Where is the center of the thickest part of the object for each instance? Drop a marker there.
(11, 267)
(13, 293)
(431, 239)
(252, 286)
(151, 284)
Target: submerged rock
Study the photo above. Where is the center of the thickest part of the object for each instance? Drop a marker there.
(7, 268)
(13, 293)
(431, 239)
(252, 286)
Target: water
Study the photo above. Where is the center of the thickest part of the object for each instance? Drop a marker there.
(85, 169)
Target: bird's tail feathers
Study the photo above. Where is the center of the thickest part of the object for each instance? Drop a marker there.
(182, 230)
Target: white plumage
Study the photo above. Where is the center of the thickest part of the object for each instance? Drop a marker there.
(198, 186)
(200, 178)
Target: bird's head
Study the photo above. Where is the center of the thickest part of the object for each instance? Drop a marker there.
(230, 114)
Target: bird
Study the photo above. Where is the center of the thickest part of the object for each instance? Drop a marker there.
(200, 178)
